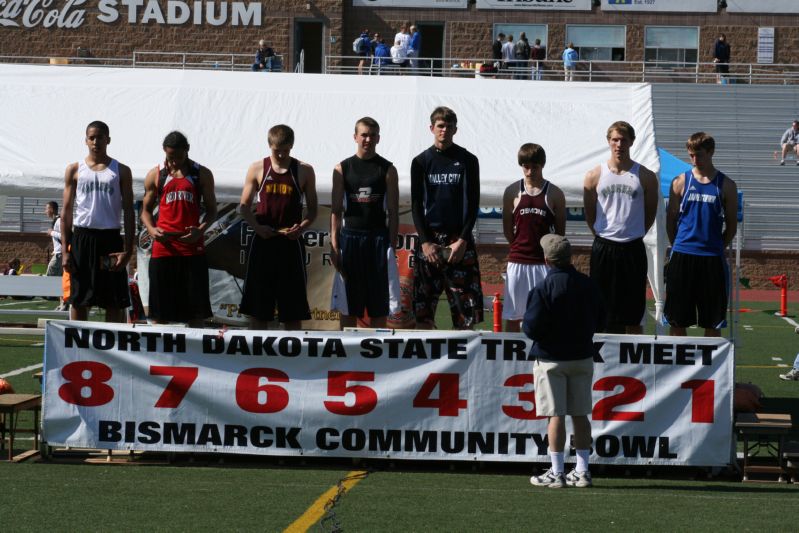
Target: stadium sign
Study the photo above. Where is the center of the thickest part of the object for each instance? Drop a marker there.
(72, 13)
(682, 6)
(761, 6)
(552, 5)
(433, 4)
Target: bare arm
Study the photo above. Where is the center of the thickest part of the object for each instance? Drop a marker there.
(148, 204)
(307, 180)
(336, 213)
(208, 198)
(128, 217)
(247, 196)
(557, 202)
(730, 211)
(590, 197)
(68, 202)
(507, 212)
(673, 212)
(650, 184)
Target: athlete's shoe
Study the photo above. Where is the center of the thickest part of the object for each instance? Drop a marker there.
(793, 375)
(782, 162)
(579, 479)
(549, 479)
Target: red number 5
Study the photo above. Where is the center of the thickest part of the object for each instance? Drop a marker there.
(365, 398)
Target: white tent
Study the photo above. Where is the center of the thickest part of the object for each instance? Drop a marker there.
(226, 115)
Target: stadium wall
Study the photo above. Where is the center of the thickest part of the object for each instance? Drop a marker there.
(467, 33)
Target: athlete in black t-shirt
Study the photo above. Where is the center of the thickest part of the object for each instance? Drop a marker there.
(365, 197)
(445, 198)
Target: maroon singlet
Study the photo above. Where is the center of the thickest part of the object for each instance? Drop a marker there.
(279, 197)
(532, 219)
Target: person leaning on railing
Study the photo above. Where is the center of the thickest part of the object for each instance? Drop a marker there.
(263, 57)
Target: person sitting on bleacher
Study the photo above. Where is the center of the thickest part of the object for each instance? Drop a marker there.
(790, 142)
(12, 269)
(263, 57)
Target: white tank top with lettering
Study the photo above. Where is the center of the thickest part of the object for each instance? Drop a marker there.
(620, 205)
(98, 199)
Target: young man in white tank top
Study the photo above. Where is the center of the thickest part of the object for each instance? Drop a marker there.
(620, 201)
(98, 191)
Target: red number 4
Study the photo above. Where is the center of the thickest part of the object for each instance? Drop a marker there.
(448, 402)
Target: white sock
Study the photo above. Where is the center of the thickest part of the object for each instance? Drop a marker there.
(582, 460)
(557, 462)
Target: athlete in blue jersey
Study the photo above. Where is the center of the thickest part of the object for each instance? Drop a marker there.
(445, 198)
(701, 222)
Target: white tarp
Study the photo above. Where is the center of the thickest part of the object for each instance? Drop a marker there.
(226, 116)
(422, 395)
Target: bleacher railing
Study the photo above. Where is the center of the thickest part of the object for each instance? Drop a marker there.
(614, 71)
(154, 59)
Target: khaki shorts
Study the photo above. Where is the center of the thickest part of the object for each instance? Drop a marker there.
(563, 387)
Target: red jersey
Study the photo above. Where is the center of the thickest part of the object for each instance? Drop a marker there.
(178, 208)
(532, 219)
(279, 199)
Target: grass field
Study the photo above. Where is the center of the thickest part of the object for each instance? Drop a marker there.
(270, 494)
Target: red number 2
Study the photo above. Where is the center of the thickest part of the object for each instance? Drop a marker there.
(633, 390)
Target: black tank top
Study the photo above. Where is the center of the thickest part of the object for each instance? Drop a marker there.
(365, 192)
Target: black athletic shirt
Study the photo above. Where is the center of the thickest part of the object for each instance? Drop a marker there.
(445, 192)
(365, 192)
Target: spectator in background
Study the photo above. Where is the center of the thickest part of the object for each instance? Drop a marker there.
(54, 267)
(404, 37)
(563, 313)
(521, 53)
(793, 373)
(790, 142)
(12, 268)
(721, 57)
(263, 57)
(507, 53)
(375, 41)
(382, 55)
(496, 50)
(399, 54)
(570, 58)
(363, 47)
(538, 54)
(414, 47)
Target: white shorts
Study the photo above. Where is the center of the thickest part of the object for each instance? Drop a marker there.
(519, 281)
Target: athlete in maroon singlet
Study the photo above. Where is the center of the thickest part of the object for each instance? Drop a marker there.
(276, 259)
(531, 208)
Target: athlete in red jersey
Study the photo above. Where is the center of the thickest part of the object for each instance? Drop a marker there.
(531, 208)
(178, 272)
(276, 259)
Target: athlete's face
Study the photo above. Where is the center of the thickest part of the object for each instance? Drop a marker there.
(281, 153)
(175, 157)
(367, 138)
(48, 211)
(443, 132)
(700, 157)
(619, 144)
(530, 169)
(96, 140)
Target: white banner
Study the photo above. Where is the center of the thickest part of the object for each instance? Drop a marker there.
(427, 395)
(696, 6)
(763, 6)
(552, 5)
(433, 4)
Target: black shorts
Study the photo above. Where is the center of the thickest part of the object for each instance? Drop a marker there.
(723, 68)
(365, 269)
(179, 288)
(90, 284)
(275, 279)
(696, 291)
(619, 269)
(460, 281)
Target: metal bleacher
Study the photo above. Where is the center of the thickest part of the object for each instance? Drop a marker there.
(747, 122)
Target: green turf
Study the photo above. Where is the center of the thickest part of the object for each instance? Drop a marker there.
(265, 496)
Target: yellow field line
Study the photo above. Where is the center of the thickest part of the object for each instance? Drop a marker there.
(317, 510)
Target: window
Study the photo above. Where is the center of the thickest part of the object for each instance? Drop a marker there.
(532, 31)
(598, 43)
(671, 46)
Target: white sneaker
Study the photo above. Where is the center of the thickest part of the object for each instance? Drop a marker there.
(549, 479)
(579, 479)
(782, 162)
(793, 375)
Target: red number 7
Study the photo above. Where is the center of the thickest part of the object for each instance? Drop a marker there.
(182, 379)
